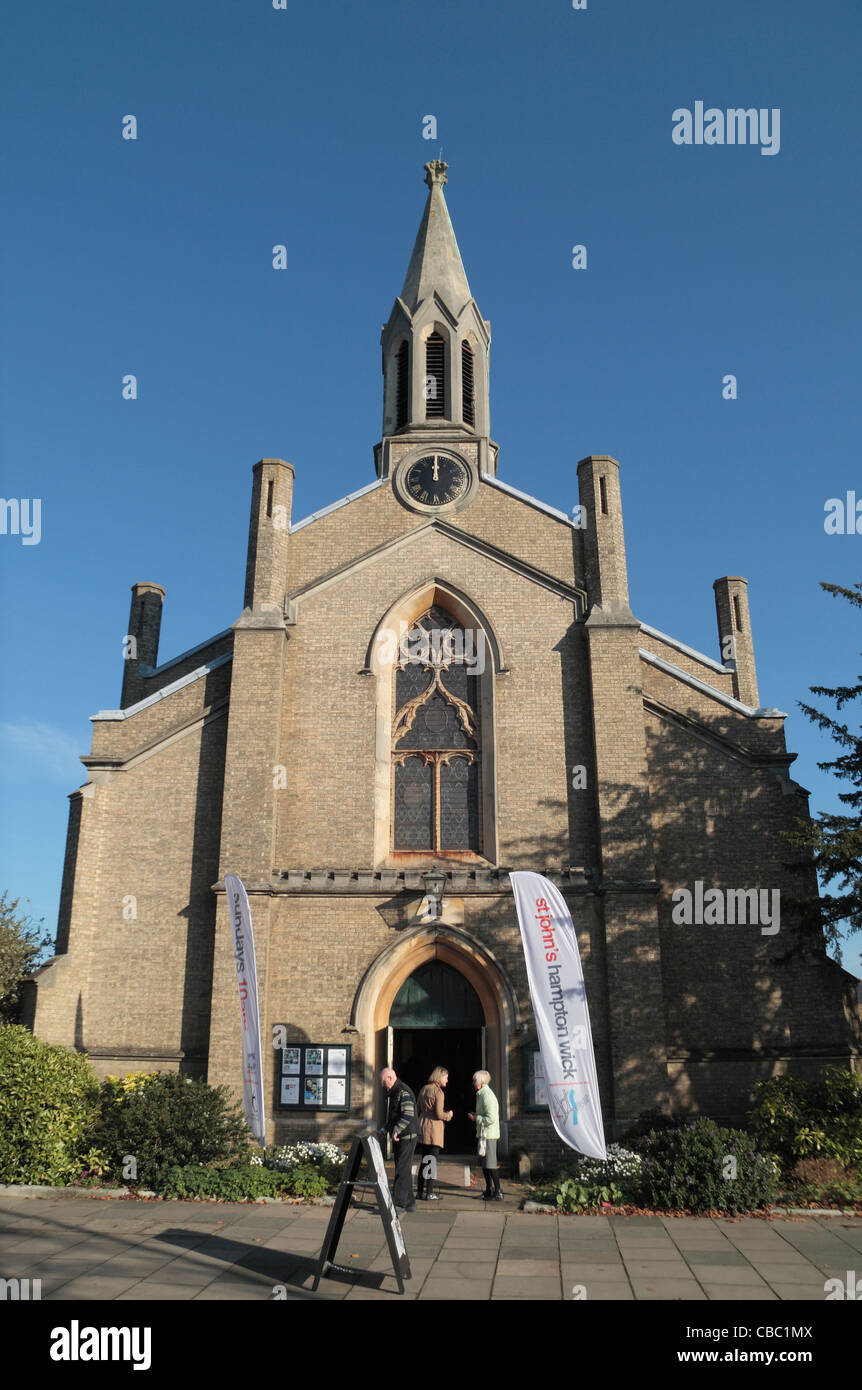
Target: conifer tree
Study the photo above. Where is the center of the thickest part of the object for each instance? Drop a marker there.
(836, 840)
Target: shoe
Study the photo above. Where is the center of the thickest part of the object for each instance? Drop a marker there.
(434, 1197)
(496, 1197)
(487, 1196)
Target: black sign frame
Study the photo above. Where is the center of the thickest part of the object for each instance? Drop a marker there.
(302, 1075)
(365, 1146)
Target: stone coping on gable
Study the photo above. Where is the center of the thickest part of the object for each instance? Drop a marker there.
(705, 689)
(148, 672)
(530, 500)
(106, 714)
(334, 506)
(700, 657)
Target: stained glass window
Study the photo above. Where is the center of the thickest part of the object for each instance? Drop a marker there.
(459, 805)
(413, 804)
(436, 802)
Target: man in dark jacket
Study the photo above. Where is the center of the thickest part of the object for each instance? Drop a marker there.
(402, 1125)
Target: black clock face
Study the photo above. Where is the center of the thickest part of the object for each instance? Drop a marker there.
(436, 480)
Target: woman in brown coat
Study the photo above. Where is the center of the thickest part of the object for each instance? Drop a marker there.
(432, 1118)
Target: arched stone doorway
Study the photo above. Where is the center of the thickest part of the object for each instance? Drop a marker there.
(437, 1020)
(379, 989)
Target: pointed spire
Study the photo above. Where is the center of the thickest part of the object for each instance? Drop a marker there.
(436, 261)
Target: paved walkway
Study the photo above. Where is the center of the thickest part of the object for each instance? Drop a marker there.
(82, 1248)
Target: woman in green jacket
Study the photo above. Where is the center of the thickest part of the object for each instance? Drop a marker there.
(487, 1119)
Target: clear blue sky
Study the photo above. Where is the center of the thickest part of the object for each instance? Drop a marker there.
(304, 127)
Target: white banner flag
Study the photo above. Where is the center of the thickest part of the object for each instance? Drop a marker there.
(560, 1008)
(246, 975)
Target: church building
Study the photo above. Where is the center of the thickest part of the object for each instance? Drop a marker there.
(433, 681)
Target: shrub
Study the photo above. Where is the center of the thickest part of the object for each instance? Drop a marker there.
(648, 1122)
(307, 1180)
(684, 1170)
(587, 1182)
(243, 1182)
(164, 1120)
(793, 1118)
(818, 1170)
(823, 1182)
(49, 1105)
(325, 1159)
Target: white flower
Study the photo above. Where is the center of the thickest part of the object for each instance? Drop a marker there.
(620, 1163)
(306, 1151)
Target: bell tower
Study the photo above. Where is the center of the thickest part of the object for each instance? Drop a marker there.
(435, 350)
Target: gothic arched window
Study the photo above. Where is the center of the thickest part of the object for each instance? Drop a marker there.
(436, 738)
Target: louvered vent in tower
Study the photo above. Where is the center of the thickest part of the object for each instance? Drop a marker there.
(468, 409)
(435, 387)
(402, 363)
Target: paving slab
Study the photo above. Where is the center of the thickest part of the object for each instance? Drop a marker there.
(446, 1256)
(526, 1288)
(122, 1251)
(148, 1293)
(600, 1290)
(789, 1274)
(688, 1290)
(730, 1276)
(587, 1270)
(478, 1269)
(87, 1287)
(662, 1269)
(724, 1259)
(753, 1293)
(456, 1290)
(477, 1239)
(528, 1269)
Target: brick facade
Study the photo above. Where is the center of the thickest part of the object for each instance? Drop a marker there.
(265, 752)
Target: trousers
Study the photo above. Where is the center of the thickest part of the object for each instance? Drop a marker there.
(402, 1188)
(425, 1180)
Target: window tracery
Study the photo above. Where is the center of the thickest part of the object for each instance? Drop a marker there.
(436, 738)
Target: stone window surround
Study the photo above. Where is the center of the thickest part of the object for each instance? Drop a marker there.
(407, 609)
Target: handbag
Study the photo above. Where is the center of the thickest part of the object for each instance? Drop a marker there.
(482, 1146)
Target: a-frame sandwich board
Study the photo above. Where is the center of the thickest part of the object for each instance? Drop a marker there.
(367, 1146)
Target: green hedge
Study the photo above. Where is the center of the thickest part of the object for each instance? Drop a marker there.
(163, 1121)
(49, 1109)
(701, 1167)
(242, 1182)
(795, 1119)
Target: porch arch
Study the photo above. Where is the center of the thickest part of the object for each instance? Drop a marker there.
(379, 986)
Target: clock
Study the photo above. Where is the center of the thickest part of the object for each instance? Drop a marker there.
(434, 481)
